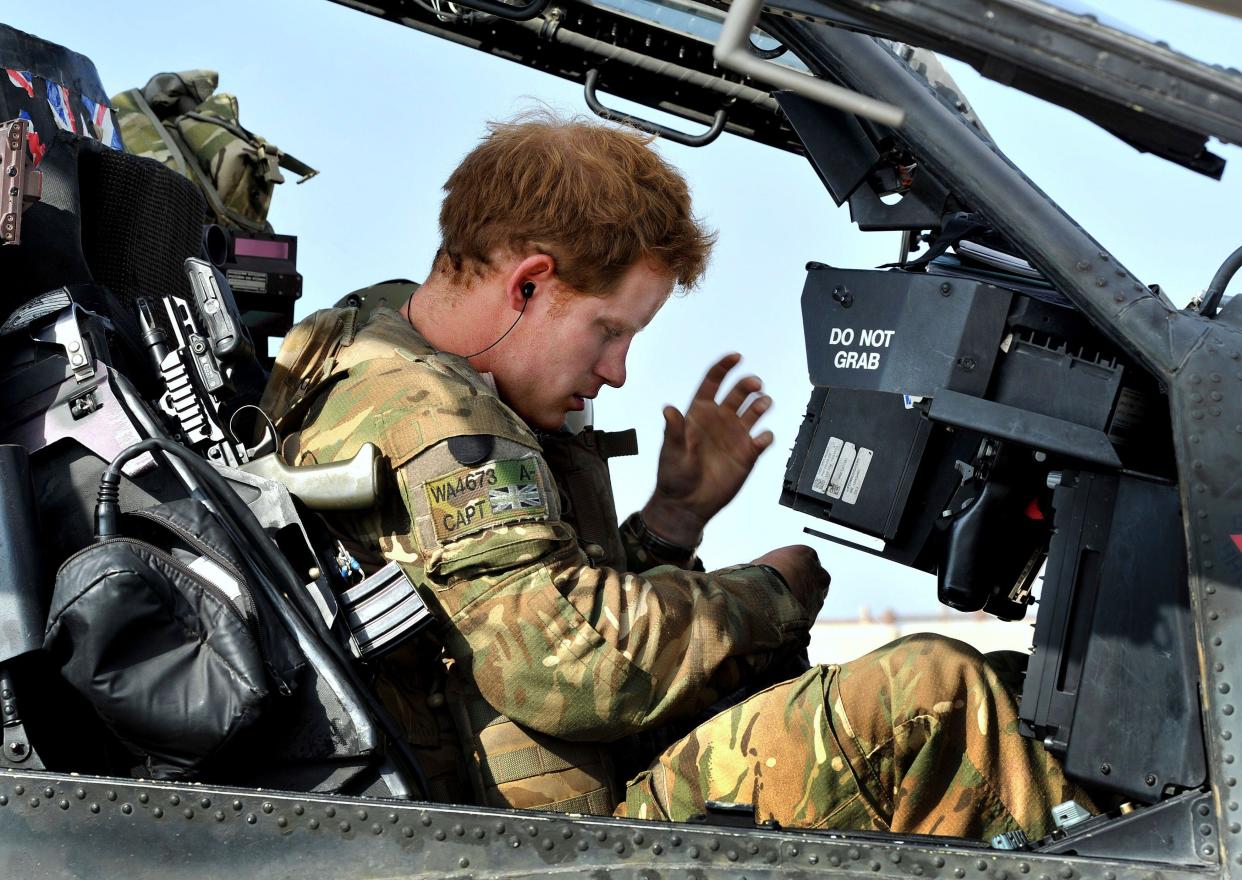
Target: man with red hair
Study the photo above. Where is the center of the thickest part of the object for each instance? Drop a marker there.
(561, 632)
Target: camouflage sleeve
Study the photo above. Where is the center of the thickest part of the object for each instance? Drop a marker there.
(558, 645)
(640, 557)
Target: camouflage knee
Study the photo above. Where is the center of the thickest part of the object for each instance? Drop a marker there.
(931, 730)
(920, 736)
(915, 674)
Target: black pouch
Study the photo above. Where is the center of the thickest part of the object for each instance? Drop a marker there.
(162, 633)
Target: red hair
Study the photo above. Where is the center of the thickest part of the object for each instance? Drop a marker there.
(596, 198)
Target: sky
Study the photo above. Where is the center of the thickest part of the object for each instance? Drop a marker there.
(385, 112)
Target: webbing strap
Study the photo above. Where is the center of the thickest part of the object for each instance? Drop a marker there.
(286, 161)
(522, 763)
(482, 715)
(223, 212)
(173, 148)
(594, 803)
(615, 444)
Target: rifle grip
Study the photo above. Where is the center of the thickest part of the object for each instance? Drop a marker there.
(338, 485)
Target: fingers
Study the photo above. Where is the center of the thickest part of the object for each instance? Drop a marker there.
(715, 375)
(757, 408)
(674, 426)
(744, 398)
(742, 390)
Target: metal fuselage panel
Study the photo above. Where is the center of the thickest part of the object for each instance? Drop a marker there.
(56, 826)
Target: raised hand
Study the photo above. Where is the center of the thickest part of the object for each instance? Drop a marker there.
(707, 454)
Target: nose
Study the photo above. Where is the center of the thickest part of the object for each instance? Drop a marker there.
(611, 365)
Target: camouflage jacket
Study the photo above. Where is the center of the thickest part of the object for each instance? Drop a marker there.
(554, 641)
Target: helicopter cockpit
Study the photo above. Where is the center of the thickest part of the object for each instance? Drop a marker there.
(1003, 405)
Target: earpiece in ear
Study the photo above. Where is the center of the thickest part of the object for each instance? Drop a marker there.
(527, 290)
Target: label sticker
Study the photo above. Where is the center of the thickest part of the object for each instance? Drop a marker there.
(842, 471)
(827, 464)
(249, 282)
(472, 499)
(854, 484)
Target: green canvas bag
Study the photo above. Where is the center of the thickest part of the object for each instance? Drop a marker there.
(179, 120)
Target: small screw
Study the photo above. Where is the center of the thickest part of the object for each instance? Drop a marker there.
(1150, 779)
(946, 289)
(1105, 769)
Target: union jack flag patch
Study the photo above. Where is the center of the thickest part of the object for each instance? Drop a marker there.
(495, 493)
(22, 79)
(101, 126)
(62, 112)
(514, 497)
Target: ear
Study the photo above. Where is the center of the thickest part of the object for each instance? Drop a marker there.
(536, 269)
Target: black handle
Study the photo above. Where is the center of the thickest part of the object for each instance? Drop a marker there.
(677, 137)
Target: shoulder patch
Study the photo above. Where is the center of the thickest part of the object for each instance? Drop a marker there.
(472, 499)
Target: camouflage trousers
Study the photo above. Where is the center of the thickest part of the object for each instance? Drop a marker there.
(920, 737)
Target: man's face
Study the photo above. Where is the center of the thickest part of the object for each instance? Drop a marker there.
(571, 345)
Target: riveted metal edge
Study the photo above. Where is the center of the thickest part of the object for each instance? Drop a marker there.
(301, 832)
(1206, 396)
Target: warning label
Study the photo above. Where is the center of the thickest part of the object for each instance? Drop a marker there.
(249, 282)
(850, 358)
(842, 470)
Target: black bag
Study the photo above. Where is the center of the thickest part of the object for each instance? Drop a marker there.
(161, 631)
